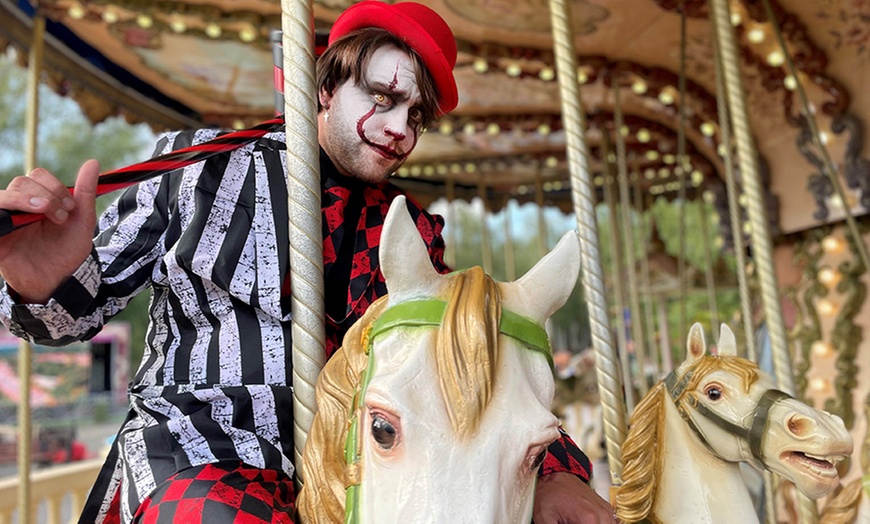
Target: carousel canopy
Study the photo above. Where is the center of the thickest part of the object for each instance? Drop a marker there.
(177, 64)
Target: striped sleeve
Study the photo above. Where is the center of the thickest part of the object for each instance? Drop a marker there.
(126, 247)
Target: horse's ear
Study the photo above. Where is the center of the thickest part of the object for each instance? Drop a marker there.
(547, 286)
(403, 256)
(727, 342)
(696, 346)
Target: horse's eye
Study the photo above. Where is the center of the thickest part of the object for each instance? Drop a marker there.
(383, 432)
(714, 393)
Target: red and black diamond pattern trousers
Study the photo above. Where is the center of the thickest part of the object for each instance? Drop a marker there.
(221, 492)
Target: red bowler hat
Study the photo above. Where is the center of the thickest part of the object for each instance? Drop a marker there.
(418, 26)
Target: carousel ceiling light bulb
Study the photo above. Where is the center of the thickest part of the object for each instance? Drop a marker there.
(445, 128)
(547, 74)
(213, 30)
(470, 168)
(819, 384)
(144, 21)
(638, 87)
(513, 70)
(598, 180)
(826, 307)
(469, 128)
(756, 35)
(248, 34)
(547, 187)
(428, 171)
(403, 171)
(551, 162)
(557, 185)
(110, 16)
(829, 276)
(624, 130)
(824, 137)
(652, 154)
(442, 169)
(76, 11)
(823, 349)
(721, 149)
(649, 173)
(643, 135)
(832, 245)
(544, 129)
(177, 24)
(775, 58)
(666, 97)
(523, 190)
(480, 65)
(669, 159)
(736, 19)
(708, 128)
(697, 178)
(747, 228)
(582, 76)
(718, 242)
(455, 168)
(790, 83)
(664, 173)
(493, 129)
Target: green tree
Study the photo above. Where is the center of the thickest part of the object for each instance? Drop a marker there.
(66, 138)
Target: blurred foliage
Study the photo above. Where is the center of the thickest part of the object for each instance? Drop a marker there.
(66, 138)
(570, 325)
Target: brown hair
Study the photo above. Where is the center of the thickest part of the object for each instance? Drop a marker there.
(347, 58)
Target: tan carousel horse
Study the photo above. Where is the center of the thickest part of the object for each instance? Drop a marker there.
(437, 407)
(690, 432)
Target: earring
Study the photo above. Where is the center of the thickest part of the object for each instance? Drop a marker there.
(326, 116)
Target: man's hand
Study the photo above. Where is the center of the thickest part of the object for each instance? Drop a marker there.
(562, 498)
(37, 258)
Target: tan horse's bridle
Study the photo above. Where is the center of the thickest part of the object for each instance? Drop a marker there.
(417, 313)
(754, 434)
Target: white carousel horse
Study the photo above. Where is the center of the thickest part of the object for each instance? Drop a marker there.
(689, 433)
(437, 407)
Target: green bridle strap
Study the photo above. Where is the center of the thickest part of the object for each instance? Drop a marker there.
(411, 314)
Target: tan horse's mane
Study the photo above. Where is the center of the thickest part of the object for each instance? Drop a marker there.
(466, 353)
(842, 507)
(642, 449)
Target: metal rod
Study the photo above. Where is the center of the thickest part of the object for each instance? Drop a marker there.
(543, 241)
(510, 260)
(646, 286)
(708, 271)
(303, 192)
(609, 381)
(641, 350)
(681, 173)
(617, 270)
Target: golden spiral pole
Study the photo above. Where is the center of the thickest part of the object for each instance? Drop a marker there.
(733, 198)
(760, 234)
(607, 370)
(303, 202)
(25, 350)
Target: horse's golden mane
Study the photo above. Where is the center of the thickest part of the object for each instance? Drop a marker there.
(642, 448)
(842, 507)
(466, 353)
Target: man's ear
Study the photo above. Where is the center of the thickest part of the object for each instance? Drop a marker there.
(325, 97)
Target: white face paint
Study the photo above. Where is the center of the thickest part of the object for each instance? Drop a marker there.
(374, 124)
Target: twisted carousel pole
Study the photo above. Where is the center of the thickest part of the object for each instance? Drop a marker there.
(303, 193)
(733, 198)
(584, 208)
(761, 243)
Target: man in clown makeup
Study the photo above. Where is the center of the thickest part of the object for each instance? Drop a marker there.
(210, 433)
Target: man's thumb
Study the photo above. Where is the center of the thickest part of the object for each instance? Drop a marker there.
(86, 183)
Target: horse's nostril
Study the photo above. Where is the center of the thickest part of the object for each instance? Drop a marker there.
(799, 425)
